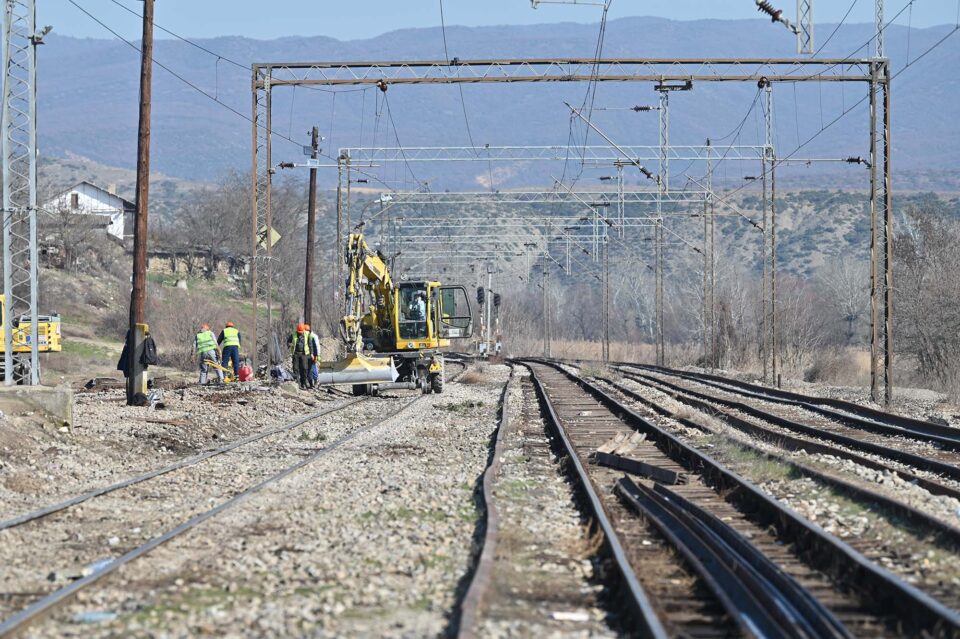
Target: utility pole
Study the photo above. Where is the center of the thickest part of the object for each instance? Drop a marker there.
(337, 240)
(663, 187)
(488, 303)
(136, 380)
(546, 310)
(658, 296)
(770, 239)
(311, 229)
(707, 264)
(606, 298)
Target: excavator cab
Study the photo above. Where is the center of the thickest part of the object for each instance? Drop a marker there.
(412, 313)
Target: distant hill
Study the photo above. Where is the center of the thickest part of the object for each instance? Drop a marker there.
(88, 95)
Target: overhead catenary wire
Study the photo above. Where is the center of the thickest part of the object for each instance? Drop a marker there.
(202, 91)
(220, 56)
(782, 159)
(396, 136)
(590, 95)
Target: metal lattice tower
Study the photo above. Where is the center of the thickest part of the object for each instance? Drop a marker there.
(663, 187)
(261, 267)
(878, 13)
(805, 26)
(19, 126)
(771, 349)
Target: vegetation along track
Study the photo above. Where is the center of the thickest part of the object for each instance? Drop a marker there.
(42, 603)
(841, 591)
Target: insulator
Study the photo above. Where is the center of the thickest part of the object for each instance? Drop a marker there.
(767, 8)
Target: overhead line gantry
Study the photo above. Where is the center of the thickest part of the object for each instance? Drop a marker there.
(874, 72)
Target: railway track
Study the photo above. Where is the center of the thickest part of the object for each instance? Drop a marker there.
(797, 429)
(39, 604)
(923, 445)
(832, 589)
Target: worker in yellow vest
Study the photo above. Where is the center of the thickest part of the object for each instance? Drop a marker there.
(304, 354)
(229, 341)
(206, 347)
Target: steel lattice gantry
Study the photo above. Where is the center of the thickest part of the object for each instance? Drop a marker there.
(873, 72)
(19, 139)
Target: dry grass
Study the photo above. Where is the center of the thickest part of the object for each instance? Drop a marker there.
(587, 544)
(476, 375)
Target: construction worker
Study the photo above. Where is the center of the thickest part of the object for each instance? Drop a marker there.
(229, 341)
(315, 347)
(301, 348)
(206, 346)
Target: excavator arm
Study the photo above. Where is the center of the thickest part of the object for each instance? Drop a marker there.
(367, 270)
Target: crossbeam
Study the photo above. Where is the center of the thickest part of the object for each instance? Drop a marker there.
(656, 70)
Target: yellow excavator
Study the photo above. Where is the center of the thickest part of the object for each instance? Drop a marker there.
(48, 340)
(393, 332)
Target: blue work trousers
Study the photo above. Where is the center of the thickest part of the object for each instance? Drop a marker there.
(232, 353)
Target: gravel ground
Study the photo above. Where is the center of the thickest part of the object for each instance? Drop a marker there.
(543, 581)
(373, 539)
(112, 524)
(111, 441)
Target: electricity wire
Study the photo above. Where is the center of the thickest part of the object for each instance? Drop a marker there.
(203, 92)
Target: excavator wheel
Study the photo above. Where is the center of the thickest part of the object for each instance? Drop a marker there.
(359, 389)
(436, 382)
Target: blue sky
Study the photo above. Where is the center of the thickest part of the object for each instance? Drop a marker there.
(352, 19)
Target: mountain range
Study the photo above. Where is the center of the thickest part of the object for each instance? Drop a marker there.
(88, 101)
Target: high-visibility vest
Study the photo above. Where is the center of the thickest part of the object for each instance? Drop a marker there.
(206, 342)
(306, 344)
(231, 336)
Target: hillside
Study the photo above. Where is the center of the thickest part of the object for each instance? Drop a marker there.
(88, 93)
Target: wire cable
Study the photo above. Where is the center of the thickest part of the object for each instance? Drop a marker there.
(219, 56)
(846, 111)
(396, 136)
(206, 94)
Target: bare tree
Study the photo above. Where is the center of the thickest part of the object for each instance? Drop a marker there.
(927, 312)
(846, 290)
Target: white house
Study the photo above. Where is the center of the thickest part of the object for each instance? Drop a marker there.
(86, 198)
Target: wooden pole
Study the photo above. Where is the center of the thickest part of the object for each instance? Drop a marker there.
(135, 378)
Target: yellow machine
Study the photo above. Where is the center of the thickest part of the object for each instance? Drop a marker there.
(48, 340)
(394, 332)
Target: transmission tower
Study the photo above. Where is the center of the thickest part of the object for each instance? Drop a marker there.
(19, 139)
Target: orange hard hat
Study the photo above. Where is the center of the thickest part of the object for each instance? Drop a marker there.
(300, 328)
(229, 324)
(205, 327)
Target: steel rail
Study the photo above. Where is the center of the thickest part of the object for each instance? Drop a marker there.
(483, 572)
(917, 461)
(789, 442)
(801, 598)
(948, 532)
(761, 607)
(183, 463)
(649, 625)
(849, 412)
(919, 612)
(59, 597)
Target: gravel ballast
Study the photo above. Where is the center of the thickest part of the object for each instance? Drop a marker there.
(373, 539)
